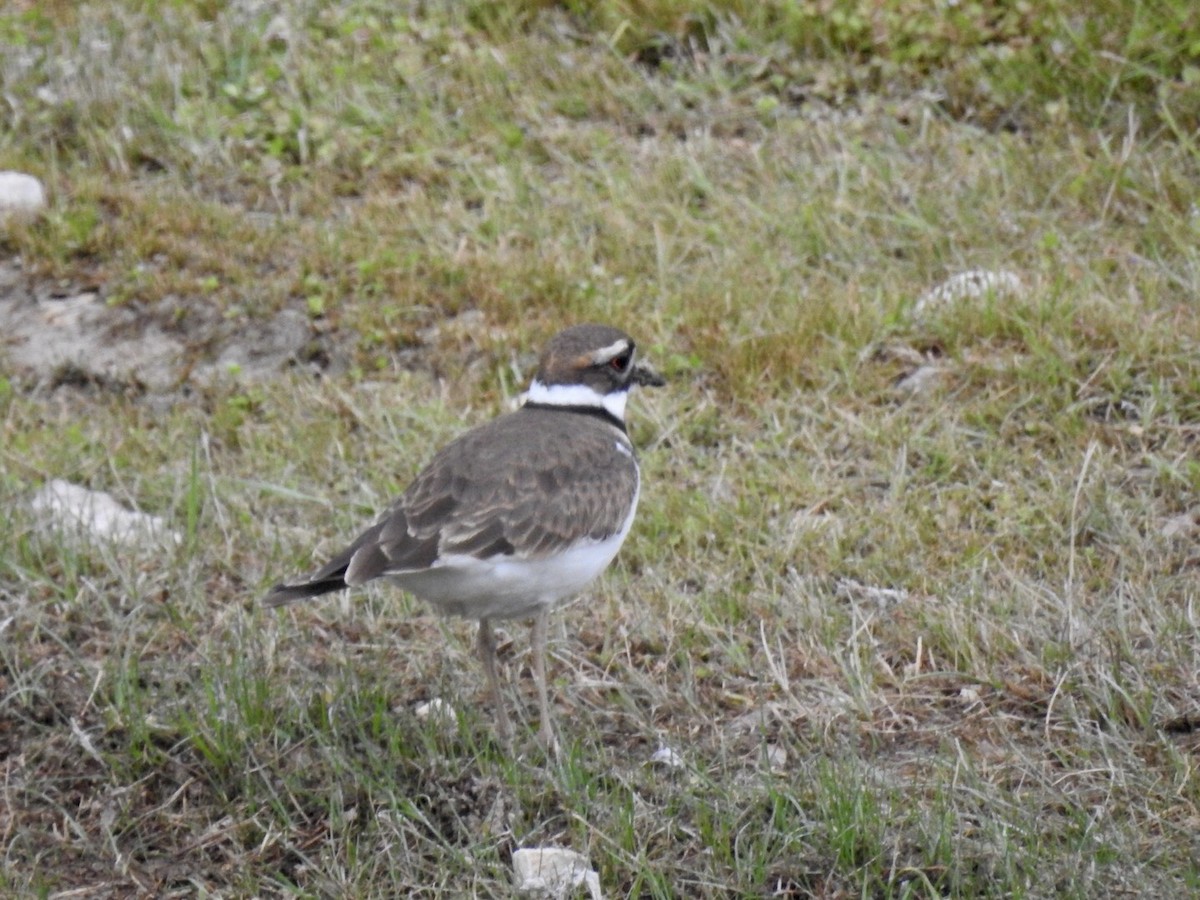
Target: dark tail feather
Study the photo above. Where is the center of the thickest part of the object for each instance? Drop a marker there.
(282, 594)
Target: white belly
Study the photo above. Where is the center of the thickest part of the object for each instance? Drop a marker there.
(508, 587)
(505, 587)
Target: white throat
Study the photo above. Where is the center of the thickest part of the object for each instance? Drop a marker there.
(577, 395)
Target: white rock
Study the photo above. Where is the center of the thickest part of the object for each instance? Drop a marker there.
(437, 710)
(920, 380)
(777, 757)
(553, 872)
(72, 508)
(970, 285)
(21, 196)
(667, 756)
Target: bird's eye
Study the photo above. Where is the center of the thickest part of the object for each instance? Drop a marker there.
(621, 363)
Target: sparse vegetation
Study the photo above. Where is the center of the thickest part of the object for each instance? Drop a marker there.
(908, 643)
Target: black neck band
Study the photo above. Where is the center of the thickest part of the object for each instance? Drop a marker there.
(582, 409)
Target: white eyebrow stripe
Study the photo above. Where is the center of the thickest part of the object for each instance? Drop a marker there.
(613, 350)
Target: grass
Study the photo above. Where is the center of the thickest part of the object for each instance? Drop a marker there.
(938, 643)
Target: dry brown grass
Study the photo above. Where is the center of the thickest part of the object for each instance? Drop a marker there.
(906, 643)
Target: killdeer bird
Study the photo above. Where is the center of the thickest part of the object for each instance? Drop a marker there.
(516, 516)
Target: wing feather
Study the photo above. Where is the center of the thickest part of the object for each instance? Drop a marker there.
(564, 466)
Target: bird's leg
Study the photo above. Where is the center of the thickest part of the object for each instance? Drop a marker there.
(541, 623)
(487, 653)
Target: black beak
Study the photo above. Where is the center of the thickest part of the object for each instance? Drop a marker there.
(646, 377)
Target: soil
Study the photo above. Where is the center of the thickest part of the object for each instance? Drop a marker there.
(55, 334)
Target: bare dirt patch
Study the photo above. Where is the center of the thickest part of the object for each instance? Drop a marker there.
(67, 333)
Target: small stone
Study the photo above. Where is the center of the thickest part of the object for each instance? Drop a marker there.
(553, 873)
(777, 757)
(971, 285)
(920, 380)
(21, 196)
(77, 510)
(436, 710)
(667, 756)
